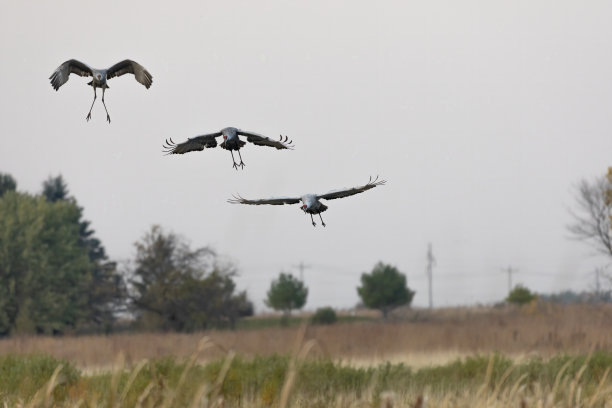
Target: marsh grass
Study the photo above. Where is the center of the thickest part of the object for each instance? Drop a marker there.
(298, 380)
(564, 362)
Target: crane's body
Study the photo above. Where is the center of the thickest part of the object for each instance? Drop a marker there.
(99, 79)
(231, 141)
(311, 204)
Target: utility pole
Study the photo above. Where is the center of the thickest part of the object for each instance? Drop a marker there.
(598, 272)
(301, 266)
(597, 284)
(431, 262)
(509, 270)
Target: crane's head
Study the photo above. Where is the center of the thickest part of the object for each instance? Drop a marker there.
(304, 207)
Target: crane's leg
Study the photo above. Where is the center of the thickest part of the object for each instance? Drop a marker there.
(314, 224)
(322, 222)
(107, 115)
(234, 160)
(241, 162)
(92, 104)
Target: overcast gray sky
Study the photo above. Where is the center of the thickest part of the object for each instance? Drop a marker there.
(480, 115)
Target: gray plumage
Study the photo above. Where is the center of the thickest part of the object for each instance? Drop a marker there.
(231, 141)
(310, 202)
(99, 76)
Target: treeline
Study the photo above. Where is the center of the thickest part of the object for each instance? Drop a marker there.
(55, 275)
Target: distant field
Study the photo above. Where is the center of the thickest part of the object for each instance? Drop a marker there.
(262, 322)
(540, 356)
(541, 330)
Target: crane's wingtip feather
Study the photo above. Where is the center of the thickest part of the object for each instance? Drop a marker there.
(236, 199)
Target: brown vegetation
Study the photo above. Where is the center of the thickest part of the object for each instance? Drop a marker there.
(541, 329)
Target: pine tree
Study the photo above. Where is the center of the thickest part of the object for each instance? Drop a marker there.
(106, 292)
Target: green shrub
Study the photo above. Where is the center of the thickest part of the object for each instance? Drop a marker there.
(520, 295)
(324, 315)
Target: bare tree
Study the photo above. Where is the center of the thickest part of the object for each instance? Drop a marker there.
(592, 220)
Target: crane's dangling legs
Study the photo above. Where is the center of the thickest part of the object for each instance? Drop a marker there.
(107, 115)
(314, 224)
(234, 160)
(92, 104)
(322, 222)
(241, 162)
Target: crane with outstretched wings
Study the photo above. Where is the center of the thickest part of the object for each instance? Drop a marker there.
(231, 141)
(310, 202)
(99, 76)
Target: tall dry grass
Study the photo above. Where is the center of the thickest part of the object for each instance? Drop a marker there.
(568, 387)
(542, 329)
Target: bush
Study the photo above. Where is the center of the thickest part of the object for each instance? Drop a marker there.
(520, 295)
(324, 315)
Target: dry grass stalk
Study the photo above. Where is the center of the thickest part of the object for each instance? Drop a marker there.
(203, 344)
(117, 370)
(130, 381)
(599, 391)
(145, 394)
(500, 383)
(292, 370)
(216, 401)
(485, 385)
(199, 396)
(512, 391)
(45, 399)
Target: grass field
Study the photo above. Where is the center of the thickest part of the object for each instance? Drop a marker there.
(540, 356)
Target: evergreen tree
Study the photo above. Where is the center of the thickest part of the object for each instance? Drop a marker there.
(286, 293)
(55, 189)
(106, 293)
(44, 271)
(384, 289)
(7, 183)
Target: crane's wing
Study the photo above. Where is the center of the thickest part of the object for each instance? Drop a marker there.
(131, 67)
(351, 191)
(60, 76)
(191, 145)
(282, 143)
(272, 201)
